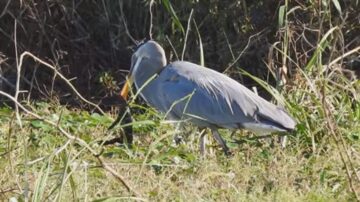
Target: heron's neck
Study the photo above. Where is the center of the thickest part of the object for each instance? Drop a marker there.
(147, 74)
(143, 81)
(147, 87)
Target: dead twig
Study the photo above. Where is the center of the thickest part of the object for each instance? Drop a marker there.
(151, 18)
(172, 47)
(18, 69)
(116, 175)
(187, 33)
(22, 56)
(75, 139)
(355, 50)
(125, 24)
(340, 144)
(243, 51)
(5, 8)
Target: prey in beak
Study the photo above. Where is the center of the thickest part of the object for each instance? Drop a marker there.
(123, 117)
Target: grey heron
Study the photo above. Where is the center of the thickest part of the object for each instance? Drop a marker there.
(187, 91)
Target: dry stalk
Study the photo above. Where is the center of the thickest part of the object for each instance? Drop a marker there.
(340, 144)
(172, 47)
(75, 139)
(116, 175)
(18, 69)
(5, 8)
(67, 81)
(243, 51)
(151, 18)
(125, 24)
(355, 50)
(187, 33)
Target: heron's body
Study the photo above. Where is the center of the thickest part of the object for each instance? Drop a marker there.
(207, 98)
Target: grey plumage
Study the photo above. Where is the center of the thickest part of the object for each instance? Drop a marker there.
(202, 96)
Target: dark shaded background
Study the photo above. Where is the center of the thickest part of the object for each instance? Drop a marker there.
(87, 40)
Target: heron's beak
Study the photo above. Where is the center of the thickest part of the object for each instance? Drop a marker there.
(125, 90)
(130, 78)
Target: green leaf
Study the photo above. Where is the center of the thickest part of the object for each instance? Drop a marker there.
(281, 16)
(174, 17)
(337, 6)
(275, 93)
(41, 125)
(100, 119)
(41, 182)
(322, 176)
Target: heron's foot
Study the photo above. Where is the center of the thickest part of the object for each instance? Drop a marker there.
(283, 141)
(178, 139)
(226, 150)
(121, 141)
(221, 142)
(228, 153)
(202, 143)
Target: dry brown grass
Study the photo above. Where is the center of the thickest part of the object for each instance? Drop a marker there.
(50, 152)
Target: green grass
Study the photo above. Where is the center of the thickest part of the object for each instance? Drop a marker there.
(41, 162)
(38, 160)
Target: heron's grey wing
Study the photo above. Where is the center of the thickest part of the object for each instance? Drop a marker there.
(179, 96)
(215, 99)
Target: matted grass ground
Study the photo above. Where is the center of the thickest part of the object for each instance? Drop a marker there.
(39, 163)
(53, 153)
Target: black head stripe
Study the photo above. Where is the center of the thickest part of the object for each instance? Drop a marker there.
(140, 43)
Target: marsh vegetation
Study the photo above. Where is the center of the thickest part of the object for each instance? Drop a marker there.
(57, 58)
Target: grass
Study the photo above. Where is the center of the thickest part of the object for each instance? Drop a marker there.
(52, 152)
(38, 160)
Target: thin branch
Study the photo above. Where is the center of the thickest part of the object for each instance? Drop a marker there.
(73, 138)
(151, 18)
(243, 51)
(340, 144)
(7, 82)
(125, 24)
(18, 69)
(59, 74)
(173, 48)
(342, 57)
(68, 135)
(117, 176)
(5, 8)
(187, 33)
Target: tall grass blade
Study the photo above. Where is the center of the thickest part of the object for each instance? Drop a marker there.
(41, 182)
(202, 60)
(174, 17)
(281, 16)
(323, 44)
(337, 6)
(275, 93)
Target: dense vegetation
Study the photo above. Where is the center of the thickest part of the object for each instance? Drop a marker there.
(303, 55)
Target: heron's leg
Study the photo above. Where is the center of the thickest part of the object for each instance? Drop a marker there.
(221, 141)
(283, 141)
(202, 141)
(232, 134)
(123, 117)
(178, 138)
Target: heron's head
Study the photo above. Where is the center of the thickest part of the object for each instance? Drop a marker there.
(148, 59)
